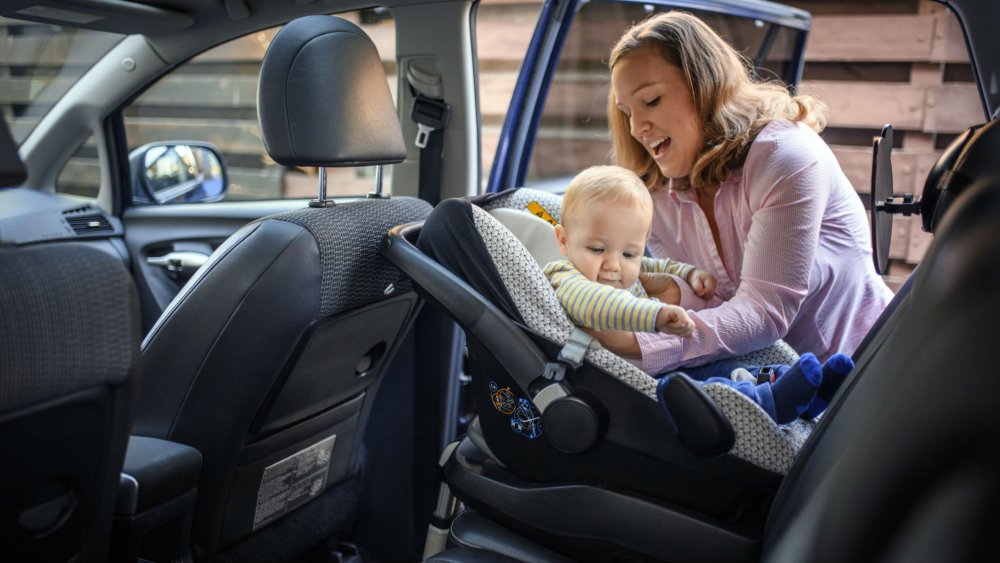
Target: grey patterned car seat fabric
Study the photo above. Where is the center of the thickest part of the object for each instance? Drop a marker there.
(272, 353)
(531, 461)
(757, 438)
(69, 340)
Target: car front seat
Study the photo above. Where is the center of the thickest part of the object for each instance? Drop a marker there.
(69, 335)
(268, 360)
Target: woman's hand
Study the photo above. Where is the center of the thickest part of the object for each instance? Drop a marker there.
(662, 287)
(618, 341)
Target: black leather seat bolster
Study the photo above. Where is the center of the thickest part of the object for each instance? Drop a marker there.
(464, 555)
(155, 472)
(473, 530)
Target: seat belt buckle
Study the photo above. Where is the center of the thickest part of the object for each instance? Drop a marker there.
(429, 115)
(767, 374)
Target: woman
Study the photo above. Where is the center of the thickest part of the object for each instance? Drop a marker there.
(744, 188)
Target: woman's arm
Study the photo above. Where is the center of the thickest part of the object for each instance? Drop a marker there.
(780, 247)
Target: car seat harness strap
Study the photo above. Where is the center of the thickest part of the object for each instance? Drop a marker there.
(570, 356)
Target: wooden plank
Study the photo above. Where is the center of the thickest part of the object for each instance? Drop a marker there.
(251, 48)
(503, 32)
(855, 104)
(918, 243)
(229, 135)
(254, 183)
(41, 90)
(214, 91)
(895, 37)
(949, 43)
(495, 91)
(340, 182)
(953, 108)
(926, 73)
(899, 244)
(909, 168)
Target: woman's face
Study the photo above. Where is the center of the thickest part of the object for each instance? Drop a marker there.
(662, 117)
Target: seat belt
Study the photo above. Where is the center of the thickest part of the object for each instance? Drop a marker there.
(431, 114)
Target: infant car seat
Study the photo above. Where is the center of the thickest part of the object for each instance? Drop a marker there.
(558, 432)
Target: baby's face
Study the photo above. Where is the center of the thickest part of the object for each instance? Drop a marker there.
(605, 241)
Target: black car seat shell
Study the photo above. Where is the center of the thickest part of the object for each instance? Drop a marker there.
(272, 353)
(480, 273)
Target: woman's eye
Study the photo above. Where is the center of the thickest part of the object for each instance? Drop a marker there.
(652, 103)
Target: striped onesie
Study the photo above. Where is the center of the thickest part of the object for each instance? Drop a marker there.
(602, 307)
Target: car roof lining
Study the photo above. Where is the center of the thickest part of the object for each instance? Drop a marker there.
(178, 29)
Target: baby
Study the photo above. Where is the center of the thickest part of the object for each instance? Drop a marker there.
(606, 283)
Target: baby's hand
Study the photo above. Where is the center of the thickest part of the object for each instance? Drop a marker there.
(662, 287)
(674, 320)
(703, 283)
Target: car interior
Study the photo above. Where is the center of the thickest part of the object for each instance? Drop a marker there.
(372, 367)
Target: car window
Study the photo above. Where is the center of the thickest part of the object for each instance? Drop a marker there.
(573, 131)
(38, 65)
(81, 176)
(213, 98)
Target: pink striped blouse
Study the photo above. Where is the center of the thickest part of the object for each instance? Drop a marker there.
(795, 261)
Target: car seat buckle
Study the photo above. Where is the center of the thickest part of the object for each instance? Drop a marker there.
(554, 371)
(575, 348)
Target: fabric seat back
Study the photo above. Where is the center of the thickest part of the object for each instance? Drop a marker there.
(269, 359)
(69, 340)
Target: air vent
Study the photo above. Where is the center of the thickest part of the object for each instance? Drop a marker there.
(87, 208)
(90, 224)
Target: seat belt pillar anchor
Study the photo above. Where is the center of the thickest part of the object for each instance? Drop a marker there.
(429, 115)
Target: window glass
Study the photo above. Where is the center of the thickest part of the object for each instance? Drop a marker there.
(81, 176)
(213, 98)
(503, 31)
(38, 65)
(573, 132)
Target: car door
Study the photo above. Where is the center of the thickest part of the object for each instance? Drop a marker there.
(556, 124)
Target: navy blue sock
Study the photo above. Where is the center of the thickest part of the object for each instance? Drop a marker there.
(796, 388)
(835, 371)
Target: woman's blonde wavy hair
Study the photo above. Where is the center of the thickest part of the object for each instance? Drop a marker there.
(732, 105)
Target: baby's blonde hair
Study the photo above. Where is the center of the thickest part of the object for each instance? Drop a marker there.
(604, 183)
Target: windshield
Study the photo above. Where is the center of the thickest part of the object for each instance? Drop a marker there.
(39, 63)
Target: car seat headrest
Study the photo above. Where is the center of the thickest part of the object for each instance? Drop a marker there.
(323, 98)
(537, 235)
(971, 156)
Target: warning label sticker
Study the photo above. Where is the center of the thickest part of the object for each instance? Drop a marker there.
(291, 482)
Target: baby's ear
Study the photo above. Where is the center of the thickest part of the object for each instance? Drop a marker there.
(561, 238)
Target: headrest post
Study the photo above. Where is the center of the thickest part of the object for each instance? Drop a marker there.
(377, 194)
(322, 201)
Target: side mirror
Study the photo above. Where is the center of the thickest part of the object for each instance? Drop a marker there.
(178, 172)
(969, 157)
